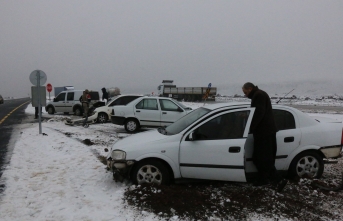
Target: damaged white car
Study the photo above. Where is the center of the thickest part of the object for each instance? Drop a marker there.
(213, 143)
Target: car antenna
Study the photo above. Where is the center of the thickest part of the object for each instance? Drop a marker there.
(284, 96)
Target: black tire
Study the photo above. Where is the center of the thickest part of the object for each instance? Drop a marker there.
(308, 164)
(78, 111)
(151, 172)
(102, 118)
(51, 110)
(131, 125)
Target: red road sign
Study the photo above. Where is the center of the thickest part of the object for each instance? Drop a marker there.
(49, 87)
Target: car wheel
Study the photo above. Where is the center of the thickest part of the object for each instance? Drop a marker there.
(78, 111)
(131, 125)
(308, 164)
(102, 118)
(151, 172)
(51, 110)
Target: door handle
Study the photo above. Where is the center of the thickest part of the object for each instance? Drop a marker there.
(288, 139)
(138, 111)
(164, 112)
(234, 149)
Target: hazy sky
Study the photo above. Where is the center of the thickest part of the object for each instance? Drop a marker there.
(134, 45)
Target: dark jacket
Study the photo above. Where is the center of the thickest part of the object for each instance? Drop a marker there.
(263, 122)
(104, 94)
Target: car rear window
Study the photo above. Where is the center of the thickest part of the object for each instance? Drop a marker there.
(284, 120)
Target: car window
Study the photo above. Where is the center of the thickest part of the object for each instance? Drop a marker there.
(70, 96)
(148, 104)
(226, 126)
(123, 100)
(284, 120)
(168, 105)
(186, 120)
(61, 97)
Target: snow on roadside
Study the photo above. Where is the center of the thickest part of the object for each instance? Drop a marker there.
(57, 177)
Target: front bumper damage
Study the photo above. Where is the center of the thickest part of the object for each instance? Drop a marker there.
(121, 169)
(331, 151)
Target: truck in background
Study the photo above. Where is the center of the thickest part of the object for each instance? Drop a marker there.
(168, 89)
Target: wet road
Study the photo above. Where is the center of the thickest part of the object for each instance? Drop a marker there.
(12, 113)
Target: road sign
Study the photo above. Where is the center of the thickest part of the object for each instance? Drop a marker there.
(38, 77)
(49, 87)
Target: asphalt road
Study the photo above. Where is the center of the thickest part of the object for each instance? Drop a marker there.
(12, 113)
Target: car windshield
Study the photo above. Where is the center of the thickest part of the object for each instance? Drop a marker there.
(185, 121)
(182, 105)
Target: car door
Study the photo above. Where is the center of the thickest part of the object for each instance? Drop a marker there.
(148, 112)
(170, 112)
(288, 139)
(59, 102)
(69, 102)
(217, 151)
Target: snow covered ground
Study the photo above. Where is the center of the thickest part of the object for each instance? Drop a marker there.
(60, 176)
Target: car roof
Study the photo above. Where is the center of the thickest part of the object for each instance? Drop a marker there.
(213, 106)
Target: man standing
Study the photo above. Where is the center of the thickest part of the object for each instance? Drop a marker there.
(85, 100)
(104, 94)
(264, 131)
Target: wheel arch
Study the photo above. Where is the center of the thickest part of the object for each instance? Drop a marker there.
(48, 106)
(317, 151)
(77, 106)
(165, 162)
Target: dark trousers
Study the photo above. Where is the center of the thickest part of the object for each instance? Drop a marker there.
(264, 154)
(37, 112)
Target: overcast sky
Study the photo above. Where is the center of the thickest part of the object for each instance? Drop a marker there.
(134, 45)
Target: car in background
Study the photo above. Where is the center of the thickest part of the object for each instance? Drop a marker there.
(69, 102)
(148, 111)
(213, 143)
(103, 114)
(1, 99)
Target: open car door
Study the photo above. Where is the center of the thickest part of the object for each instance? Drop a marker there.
(214, 149)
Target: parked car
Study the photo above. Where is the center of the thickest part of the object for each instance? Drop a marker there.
(148, 111)
(103, 114)
(68, 102)
(213, 143)
(1, 99)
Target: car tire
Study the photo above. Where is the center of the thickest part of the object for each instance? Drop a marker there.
(51, 110)
(102, 118)
(78, 111)
(151, 172)
(131, 125)
(308, 164)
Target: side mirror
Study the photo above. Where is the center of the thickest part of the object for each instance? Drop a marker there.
(55, 100)
(179, 109)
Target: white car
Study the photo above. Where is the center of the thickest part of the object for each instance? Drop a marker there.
(148, 111)
(213, 143)
(103, 114)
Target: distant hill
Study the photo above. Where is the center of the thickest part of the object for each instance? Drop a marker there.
(302, 88)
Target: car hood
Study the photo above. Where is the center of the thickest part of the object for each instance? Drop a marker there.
(140, 139)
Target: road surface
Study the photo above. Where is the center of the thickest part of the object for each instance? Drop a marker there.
(12, 113)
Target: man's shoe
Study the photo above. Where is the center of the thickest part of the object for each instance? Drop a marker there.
(260, 183)
(280, 185)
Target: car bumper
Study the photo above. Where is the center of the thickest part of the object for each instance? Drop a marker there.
(118, 120)
(121, 169)
(332, 151)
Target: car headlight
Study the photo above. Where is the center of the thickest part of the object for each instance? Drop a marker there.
(118, 155)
